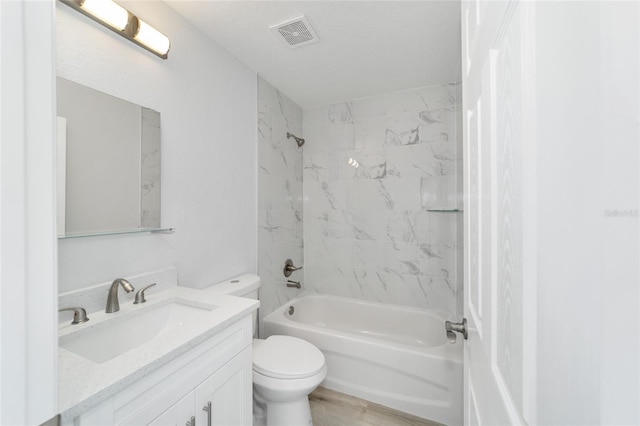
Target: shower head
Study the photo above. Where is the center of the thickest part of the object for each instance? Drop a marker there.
(298, 140)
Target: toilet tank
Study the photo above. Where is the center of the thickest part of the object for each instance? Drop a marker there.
(246, 285)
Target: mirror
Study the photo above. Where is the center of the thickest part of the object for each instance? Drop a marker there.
(108, 163)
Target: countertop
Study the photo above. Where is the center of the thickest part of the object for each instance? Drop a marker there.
(83, 384)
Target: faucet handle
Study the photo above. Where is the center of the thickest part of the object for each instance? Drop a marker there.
(140, 295)
(79, 315)
(289, 268)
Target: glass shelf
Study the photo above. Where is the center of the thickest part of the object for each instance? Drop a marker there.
(119, 232)
(445, 210)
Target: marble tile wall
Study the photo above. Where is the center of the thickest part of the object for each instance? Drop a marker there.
(150, 169)
(372, 169)
(279, 196)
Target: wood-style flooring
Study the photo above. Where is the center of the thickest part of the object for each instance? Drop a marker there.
(331, 408)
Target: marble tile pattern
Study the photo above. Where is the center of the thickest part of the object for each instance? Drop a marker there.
(372, 168)
(150, 170)
(279, 196)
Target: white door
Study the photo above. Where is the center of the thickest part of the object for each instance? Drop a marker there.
(28, 247)
(551, 134)
(497, 304)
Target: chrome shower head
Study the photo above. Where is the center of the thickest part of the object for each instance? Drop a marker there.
(298, 140)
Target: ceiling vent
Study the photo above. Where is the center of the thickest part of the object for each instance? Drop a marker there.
(295, 32)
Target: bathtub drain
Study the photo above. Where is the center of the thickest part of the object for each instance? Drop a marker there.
(291, 310)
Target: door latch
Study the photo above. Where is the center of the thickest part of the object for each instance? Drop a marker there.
(460, 327)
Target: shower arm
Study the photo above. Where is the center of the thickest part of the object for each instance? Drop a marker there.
(298, 140)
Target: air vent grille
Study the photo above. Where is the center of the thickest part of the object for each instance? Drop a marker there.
(295, 32)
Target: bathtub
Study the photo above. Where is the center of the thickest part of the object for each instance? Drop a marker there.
(392, 355)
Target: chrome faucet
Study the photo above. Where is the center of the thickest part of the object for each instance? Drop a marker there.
(112, 300)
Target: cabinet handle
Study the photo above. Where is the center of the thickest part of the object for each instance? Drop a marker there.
(207, 408)
(191, 422)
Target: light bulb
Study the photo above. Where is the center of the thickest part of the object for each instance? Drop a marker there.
(152, 38)
(108, 12)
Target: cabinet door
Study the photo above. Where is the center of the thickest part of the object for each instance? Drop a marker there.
(229, 391)
(179, 414)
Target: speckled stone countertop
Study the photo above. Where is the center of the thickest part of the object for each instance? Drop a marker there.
(83, 384)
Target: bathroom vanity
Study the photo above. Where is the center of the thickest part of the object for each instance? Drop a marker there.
(184, 357)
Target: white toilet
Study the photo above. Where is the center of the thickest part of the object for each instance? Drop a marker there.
(285, 369)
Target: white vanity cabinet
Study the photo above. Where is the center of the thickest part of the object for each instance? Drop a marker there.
(216, 372)
(177, 413)
(224, 394)
(220, 399)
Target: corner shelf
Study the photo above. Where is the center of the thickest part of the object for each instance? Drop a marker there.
(444, 210)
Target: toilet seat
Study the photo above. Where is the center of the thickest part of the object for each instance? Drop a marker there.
(286, 357)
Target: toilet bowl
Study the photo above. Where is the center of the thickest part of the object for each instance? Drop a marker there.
(285, 369)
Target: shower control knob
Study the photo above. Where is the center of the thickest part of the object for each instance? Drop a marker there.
(460, 327)
(289, 268)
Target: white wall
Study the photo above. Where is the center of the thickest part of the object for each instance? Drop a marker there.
(207, 100)
(588, 273)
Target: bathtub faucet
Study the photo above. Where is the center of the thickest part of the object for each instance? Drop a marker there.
(295, 284)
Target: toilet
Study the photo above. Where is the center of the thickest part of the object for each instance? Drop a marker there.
(286, 369)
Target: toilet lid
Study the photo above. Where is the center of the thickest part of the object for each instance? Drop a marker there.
(286, 357)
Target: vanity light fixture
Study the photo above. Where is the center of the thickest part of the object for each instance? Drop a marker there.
(125, 23)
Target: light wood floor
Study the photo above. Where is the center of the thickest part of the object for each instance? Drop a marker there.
(331, 408)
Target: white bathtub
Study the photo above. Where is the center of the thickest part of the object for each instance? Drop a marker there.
(393, 355)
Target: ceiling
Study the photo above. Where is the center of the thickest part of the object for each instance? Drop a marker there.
(366, 47)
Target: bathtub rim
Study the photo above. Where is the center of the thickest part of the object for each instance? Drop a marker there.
(446, 350)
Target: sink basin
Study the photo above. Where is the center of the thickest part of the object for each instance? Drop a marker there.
(118, 335)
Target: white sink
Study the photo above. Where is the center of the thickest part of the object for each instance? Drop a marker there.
(115, 336)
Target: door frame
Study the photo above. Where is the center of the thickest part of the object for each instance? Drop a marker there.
(28, 243)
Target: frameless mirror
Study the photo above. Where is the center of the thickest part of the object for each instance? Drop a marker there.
(108, 163)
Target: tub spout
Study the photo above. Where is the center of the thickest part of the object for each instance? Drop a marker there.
(295, 284)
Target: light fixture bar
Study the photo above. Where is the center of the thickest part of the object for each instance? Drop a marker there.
(124, 23)
(152, 38)
(108, 12)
